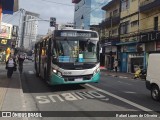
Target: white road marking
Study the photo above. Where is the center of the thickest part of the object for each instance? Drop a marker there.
(106, 99)
(123, 77)
(124, 83)
(130, 92)
(30, 72)
(122, 99)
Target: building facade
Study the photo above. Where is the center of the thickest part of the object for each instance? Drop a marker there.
(65, 26)
(87, 13)
(129, 56)
(30, 28)
(138, 32)
(110, 33)
(149, 25)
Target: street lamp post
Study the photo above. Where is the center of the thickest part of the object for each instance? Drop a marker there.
(22, 23)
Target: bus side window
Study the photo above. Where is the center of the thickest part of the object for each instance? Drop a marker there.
(43, 52)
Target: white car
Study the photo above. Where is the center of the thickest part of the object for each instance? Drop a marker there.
(153, 75)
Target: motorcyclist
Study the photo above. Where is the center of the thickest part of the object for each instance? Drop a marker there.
(139, 73)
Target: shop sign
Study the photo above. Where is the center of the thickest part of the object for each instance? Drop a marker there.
(150, 36)
(3, 41)
(129, 48)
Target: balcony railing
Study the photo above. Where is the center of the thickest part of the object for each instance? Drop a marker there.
(149, 4)
(110, 21)
(146, 2)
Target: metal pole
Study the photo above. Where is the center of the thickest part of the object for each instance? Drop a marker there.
(30, 36)
(23, 30)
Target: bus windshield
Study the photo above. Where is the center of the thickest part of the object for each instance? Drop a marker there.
(76, 51)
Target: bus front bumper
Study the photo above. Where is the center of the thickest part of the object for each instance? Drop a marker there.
(57, 80)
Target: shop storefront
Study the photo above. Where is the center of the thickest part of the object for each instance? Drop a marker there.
(152, 42)
(131, 56)
(110, 52)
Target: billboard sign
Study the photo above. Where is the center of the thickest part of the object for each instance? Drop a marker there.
(5, 31)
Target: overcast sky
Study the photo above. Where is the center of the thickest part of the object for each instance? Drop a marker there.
(46, 9)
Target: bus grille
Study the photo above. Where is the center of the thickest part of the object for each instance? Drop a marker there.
(72, 78)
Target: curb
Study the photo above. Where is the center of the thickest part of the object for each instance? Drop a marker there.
(125, 77)
(119, 76)
(3, 89)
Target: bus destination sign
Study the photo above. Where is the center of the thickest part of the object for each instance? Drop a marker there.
(75, 34)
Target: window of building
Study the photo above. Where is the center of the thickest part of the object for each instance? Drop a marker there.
(155, 23)
(115, 12)
(109, 33)
(124, 27)
(134, 23)
(125, 5)
(115, 31)
(110, 14)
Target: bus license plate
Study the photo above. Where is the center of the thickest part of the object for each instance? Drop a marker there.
(78, 79)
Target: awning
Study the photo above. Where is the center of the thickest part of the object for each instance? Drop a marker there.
(126, 43)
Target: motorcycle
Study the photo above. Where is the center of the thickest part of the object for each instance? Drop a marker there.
(140, 73)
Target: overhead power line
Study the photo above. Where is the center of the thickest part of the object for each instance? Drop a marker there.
(14, 17)
(11, 17)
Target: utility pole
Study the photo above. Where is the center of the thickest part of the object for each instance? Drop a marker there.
(23, 31)
(22, 28)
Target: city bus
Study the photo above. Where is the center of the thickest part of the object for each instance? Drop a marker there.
(69, 56)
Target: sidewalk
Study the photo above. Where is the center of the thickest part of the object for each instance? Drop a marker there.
(11, 95)
(118, 74)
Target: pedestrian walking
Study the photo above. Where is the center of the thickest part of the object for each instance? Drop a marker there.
(21, 58)
(10, 66)
(116, 65)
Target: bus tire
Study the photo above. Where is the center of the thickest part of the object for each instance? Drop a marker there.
(155, 93)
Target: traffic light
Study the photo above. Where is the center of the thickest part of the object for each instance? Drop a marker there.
(52, 22)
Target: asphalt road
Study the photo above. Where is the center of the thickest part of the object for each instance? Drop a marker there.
(108, 98)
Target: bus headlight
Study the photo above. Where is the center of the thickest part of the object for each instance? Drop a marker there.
(96, 71)
(55, 71)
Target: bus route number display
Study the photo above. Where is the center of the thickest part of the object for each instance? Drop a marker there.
(75, 34)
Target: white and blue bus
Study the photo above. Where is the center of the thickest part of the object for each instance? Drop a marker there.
(68, 57)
